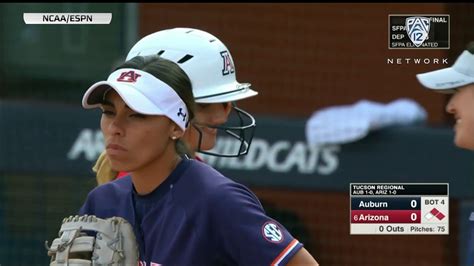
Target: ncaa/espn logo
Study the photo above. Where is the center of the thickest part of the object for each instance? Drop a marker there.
(420, 31)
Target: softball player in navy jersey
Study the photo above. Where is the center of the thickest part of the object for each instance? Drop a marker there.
(183, 211)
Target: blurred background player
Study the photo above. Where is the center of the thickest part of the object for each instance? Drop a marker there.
(459, 81)
(210, 67)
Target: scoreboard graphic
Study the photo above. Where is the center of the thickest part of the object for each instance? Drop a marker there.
(399, 208)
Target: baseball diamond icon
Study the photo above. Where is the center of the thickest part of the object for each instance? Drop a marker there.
(434, 213)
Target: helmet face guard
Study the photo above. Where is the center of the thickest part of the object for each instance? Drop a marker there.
(241, 128)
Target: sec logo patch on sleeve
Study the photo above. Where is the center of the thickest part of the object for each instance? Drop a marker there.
(272, 232)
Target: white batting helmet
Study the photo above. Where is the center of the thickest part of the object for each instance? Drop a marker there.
(210, 67)
(205, 59)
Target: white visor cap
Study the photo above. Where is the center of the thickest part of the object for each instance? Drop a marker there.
(142, 92)
(447, 79)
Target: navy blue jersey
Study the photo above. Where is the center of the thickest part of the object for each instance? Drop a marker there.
(195, 217)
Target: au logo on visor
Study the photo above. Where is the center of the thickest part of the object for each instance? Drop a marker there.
(129, 76)
(418, 31)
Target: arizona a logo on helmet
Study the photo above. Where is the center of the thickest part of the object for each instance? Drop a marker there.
(228, 65)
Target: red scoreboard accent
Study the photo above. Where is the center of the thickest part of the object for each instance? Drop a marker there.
(385, 216)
